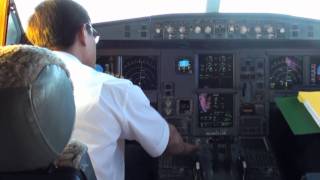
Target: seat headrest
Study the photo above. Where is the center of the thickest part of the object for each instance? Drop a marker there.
(37, 108)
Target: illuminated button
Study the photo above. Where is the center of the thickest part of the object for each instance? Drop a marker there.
(182, 29)
(258, 29)
(243, 29)
(197, 165)
(207, 29)
(197, 29)
(158, 30)
(170, 29)
(282, 30)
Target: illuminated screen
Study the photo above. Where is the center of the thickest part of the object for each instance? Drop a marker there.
(285, 71)
(315, 70)
(215, 110)
(215, 71)
(184, 65)
(141, 70)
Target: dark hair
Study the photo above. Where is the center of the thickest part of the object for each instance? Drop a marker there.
(55, 23)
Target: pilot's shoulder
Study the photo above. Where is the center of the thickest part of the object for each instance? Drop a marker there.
(110, 81)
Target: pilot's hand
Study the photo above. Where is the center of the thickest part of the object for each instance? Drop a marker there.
(176, 145)
(190, 148)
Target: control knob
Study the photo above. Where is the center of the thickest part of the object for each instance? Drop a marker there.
(197, 29)
(270, 29)
(207, 29)
(170, 29)
(182, 29)
(243, 29)
(158, 30)
(257, 29)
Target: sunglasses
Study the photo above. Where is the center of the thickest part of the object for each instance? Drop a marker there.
(93, 32)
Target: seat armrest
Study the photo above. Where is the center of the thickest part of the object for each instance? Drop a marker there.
(75, 155)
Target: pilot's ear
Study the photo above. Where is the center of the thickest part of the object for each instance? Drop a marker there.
(82, 35)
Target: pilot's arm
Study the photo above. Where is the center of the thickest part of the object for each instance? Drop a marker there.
(145, 125)
(176, 144)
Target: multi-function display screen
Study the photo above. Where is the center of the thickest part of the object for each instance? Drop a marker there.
(215, 110)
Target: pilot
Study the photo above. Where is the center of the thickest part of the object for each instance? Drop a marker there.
(108, 109)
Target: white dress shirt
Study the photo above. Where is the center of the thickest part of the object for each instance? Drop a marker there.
(109, 110)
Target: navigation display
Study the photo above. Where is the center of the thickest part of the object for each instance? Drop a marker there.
(141, 70)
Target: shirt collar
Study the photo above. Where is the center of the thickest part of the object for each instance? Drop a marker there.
(70, 57)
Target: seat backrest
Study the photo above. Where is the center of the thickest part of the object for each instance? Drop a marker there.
(37, 113)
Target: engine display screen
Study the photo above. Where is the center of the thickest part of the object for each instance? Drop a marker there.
(216, 71)
(215, 110)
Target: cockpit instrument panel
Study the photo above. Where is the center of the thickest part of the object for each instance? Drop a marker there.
(285, 71)
(141, 70)
(216, 77)
(215, 71)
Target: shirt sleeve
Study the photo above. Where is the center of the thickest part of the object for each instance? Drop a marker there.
(144, 123)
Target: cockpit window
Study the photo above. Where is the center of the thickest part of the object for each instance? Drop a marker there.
(110, 10)
(13, 31)
(301, 8)
(127, 9)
